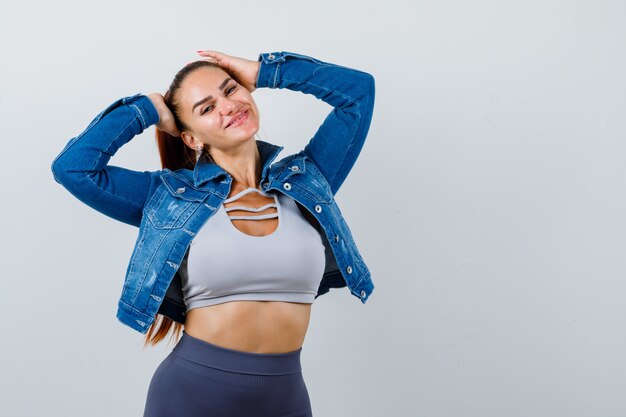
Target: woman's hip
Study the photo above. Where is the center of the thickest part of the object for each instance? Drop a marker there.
(199, 378)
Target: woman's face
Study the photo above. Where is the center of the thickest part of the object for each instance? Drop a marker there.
(211, 104)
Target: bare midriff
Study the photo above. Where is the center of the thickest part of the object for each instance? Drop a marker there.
(251, 326)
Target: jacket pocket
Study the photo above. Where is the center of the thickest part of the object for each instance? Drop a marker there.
(165, 212)
(307, 181)
(173, 203)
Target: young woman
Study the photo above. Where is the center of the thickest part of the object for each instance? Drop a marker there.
(233, 246)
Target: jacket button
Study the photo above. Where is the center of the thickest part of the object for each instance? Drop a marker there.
(362, 293)
(180, 190)
(270, 56)
(349, 269)
(287, 186)
(294, 168)
(318, 208)
(266, 184)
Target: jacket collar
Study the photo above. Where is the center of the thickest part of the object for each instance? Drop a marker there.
(206, 170)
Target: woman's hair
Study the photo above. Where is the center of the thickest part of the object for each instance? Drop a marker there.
(175, 154)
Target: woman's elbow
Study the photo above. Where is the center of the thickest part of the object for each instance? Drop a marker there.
(59, 171)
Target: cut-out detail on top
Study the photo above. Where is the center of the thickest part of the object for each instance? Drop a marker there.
(251, 209)
(247, 191)
(249, 230)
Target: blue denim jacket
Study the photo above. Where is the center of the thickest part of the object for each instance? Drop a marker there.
(169, 207)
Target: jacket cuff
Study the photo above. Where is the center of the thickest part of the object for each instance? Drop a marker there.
(148, 114)
(268, 71)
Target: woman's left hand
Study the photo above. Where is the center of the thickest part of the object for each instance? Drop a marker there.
(245, 71)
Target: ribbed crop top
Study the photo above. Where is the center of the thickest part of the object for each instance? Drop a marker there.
(225, 264)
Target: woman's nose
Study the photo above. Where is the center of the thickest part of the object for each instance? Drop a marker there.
(228, 106)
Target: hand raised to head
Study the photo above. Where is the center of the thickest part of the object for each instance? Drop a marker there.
(245, 71)
(166, 118)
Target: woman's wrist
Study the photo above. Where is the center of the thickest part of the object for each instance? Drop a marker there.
(157, 101)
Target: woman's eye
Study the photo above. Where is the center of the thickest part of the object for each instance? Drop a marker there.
(227, 91)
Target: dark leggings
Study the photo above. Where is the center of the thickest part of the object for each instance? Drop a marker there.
(198, 379)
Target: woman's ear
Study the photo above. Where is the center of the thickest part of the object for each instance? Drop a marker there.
(188, 139)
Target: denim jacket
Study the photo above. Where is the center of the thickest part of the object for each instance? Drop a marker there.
(169, 207)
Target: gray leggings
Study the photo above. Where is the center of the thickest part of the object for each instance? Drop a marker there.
(198, 379)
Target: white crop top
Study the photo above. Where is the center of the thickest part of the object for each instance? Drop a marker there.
(225, 264)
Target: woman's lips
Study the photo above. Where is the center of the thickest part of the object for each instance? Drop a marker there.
(241, 119)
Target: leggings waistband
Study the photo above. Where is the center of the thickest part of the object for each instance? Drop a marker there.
(208, 354)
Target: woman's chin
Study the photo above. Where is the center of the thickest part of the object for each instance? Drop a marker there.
(246, 130)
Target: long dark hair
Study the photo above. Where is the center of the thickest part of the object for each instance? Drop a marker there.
(175, 154)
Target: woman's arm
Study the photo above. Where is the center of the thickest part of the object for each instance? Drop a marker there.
(82, 166)
(337, 143)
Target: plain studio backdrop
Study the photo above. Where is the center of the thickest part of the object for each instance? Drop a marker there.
(488, 201)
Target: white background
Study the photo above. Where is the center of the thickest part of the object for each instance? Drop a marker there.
(488, 201)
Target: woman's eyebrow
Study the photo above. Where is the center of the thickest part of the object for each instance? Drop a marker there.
(222, 85)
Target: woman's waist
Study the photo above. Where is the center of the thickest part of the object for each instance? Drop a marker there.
(251, 326)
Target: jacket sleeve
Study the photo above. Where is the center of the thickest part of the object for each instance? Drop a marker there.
(338, 141)
(82, 166)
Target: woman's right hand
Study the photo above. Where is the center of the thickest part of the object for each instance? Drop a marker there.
(166, 118)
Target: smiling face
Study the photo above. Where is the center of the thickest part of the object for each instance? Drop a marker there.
(219, 111)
